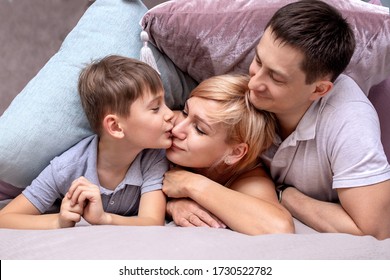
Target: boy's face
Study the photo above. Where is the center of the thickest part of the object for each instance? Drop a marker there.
(150, 123)
(277, 82)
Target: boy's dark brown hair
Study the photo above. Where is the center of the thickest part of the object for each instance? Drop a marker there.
(112, 84)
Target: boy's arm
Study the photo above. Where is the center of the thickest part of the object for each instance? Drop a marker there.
(151, 208)
(151, 212)
(20, 213)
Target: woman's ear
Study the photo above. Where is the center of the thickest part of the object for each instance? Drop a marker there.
(321, 89)
(112, 126)
(237, 153)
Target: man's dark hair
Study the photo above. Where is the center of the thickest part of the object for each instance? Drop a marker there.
(320, 32)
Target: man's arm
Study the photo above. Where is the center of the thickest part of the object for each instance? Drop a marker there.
(362, 210)
(369, 208)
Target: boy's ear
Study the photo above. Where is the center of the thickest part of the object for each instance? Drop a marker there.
(237, 153)
(321, 89)
(112, 126)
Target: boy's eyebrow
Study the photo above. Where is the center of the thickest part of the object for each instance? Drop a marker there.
(155, 98)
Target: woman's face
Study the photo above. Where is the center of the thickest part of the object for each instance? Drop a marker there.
(197, 142)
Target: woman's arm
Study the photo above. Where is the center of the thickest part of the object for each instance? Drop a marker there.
(249, 206)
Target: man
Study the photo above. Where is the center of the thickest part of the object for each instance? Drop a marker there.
(332, 172)
(331, 167)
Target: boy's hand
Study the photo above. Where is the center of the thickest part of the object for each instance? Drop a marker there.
(83, 192)
(69, 215)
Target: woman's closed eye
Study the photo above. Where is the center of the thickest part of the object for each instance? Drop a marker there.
(197, 128)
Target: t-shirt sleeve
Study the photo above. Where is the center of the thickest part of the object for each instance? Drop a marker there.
(356, 152)
(43, 191)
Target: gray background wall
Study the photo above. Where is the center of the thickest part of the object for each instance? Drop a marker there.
(31, 32)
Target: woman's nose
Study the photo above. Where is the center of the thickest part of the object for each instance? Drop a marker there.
(179, 130)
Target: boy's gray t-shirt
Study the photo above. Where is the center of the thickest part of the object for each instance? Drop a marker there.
(144, 175)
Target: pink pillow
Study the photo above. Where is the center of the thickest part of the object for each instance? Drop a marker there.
(206, 38)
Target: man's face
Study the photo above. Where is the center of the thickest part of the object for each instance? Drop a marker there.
(277, 82)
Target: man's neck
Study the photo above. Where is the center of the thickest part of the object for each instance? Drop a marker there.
(288, 123)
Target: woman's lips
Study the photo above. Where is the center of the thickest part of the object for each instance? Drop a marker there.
(174, 146)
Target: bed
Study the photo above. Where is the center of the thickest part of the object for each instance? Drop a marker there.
(189, 45)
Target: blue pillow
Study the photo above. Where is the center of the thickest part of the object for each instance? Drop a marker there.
(46, 117)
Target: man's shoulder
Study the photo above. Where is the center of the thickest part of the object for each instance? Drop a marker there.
(346, 95)
(345, 89)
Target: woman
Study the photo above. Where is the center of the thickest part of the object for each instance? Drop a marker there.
(218, 138)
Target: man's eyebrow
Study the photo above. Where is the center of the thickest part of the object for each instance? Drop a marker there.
(257, 54)
(271, 70)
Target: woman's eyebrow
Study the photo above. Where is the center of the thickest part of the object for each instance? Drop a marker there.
(201, 120)
(197, 117)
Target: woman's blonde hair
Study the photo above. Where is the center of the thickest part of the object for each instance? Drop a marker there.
(244, 123)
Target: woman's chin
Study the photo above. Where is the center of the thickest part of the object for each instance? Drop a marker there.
(174, 157)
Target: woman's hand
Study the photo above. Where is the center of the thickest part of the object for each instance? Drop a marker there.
(174, 184)
(188, 213)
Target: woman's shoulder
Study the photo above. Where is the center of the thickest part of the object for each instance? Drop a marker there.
(255, 174)
(257, 171)
(255, 181)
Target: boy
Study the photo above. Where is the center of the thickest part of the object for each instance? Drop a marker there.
(115, 173)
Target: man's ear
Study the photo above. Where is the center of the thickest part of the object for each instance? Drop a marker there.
(321, 89)
(112, 126)
(237, 153)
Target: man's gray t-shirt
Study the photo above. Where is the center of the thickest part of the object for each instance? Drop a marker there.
(335, 145)
(144, 175)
